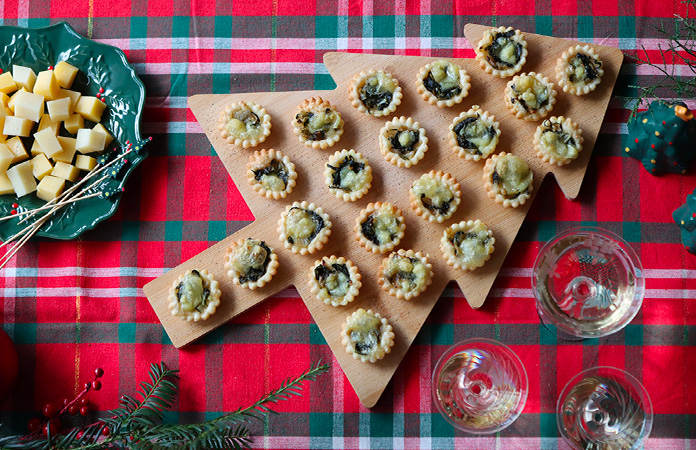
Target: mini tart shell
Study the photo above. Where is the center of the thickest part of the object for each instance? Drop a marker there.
(336, 159)
(395, 291)
(359, 81)
(486, 118)
(319, 240)
(271, 269)
(562, 76)
(260, 160)
(386, 336)
(494, 192)
(317, 104)
(517, 108)
(323, 295)
(488, 39)
(259, 110)
(448, 249)
(195, 316)
(464, 82)
(421, 210)
(402, 124)
(368, 244)
(570, 127)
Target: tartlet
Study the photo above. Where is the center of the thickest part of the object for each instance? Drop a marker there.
(558, 140)
(271, 173)
(335, 280)
(405, 274)
(375, 92)
(467, 245)
(435, 196)
(502, 51)
(442, 83)
(304, 227)
(244, 124)
(403, 142)
(508, 179)
(348, 175)
(579, 70)
(474, 134)
(194, 296)
(530, 96)
(379, 227)
(251, 263)
(317, 123)
(367, 335)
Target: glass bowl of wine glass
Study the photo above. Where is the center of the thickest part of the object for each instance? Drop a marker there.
(480, 386)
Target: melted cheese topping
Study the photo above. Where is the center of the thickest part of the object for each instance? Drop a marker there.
(446, 74)
(322, 124)
(531, 91)
(272, 183)
(352, 181)
(191, 292)
(364, 333)
(436, 190)
(336, 284)
(244, 124)
(557, 148)
(514, 175)
(405, 274)
(249, 256)
(477, 133)
(385, 225)
(507, 52)
(299, 226)
(472, 246)
(382, 82)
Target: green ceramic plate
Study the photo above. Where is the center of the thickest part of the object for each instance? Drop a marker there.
(104, 70)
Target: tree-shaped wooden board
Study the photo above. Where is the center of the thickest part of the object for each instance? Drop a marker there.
(390, 184)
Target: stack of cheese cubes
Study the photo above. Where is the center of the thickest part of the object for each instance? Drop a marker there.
(44, 140)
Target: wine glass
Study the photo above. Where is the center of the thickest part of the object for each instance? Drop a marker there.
(588, 282)
(604, 408)
(480, 386)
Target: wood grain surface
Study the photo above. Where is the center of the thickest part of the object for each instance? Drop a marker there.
(390, 184)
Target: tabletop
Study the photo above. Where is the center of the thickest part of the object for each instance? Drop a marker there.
(71, 306)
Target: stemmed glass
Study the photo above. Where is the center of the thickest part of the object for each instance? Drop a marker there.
(604, 408)
(480, 386)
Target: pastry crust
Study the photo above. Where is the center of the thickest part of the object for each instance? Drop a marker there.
(508, 179)
(442, 83)
(375, 92)
(474, 134)
(251, 263)
(467, 245)
(348, 175)
(317, 123)
(385, 226)
(579, 70)
(367, 335)
(435, 196)
(304, 227)
(244, 124)
(405, 274)
(530, 96)
(190, 310)
(502, 52)
(558, 140)
(271, 173)
(403, 142)
(335, 280)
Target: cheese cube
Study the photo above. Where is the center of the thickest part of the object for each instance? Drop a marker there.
(59, 110)
(3, 137)
(50, 188)
(13, 100)
(7, 84)
(29, 106)
(23, 77)
(65, 74)
(22, 180)
(74, 97)
(89, 141)
(36, 149)
(17, 148)
(47, 85)
(41, 166)
(91, 108)
(5, 185)
(46, 122)
(16, 126)
(74, 123)
(65, 171)
(99, 128)
(68, 146)
(84, 162)
(6, 157)
(48, 142)
(4, 98)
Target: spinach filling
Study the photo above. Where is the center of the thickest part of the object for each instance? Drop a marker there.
(322, 273)
(403, 142)
(466, 130)
(337, 177)
(254, 273)
(497, 179)
(318, 225)
(437, 89)
(540, 103)
(590, 65)
(441, 210)
(276, 168)
(400, 276)
(247, 116)
(557, 129)
(368, 229)
(191, 293)
(315, 130)
(461, 236)
(364, 342)
(374, 98)
(494, 49)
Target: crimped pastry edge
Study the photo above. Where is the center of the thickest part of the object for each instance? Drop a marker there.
(348, 196)
(576, 133)
(464, 79)
(308, 105)
(271, 269)
(259, 110)
(258, 159)
(424, 212)
(403, 123)
(397, 292)
(318, 241)
(195, 316)
(369, 245)
(386, 337)
(494, 192)
(562, 77)
(486, 117)
(447, 248)
(354, 96)
(355, 278)
(488, 38)
(518, 110)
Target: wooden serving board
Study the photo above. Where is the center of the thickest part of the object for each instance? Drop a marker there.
(390, 184)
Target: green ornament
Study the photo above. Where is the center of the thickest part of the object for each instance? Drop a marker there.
(663, 138)
(685, 218)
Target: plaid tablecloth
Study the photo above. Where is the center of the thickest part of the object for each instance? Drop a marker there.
(72, 306)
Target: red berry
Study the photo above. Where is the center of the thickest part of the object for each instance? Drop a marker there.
(54, 425)
(105, 431)
(122, 399)
(34, 424)
(74, 409)
(96, 385)
(83, 401)
(79, 434)
(98, 372)
(13, 212)
(84, 410)
(50, 410)
(15, 205)
(88, 386)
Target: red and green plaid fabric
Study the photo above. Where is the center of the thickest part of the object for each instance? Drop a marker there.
(72, 306)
